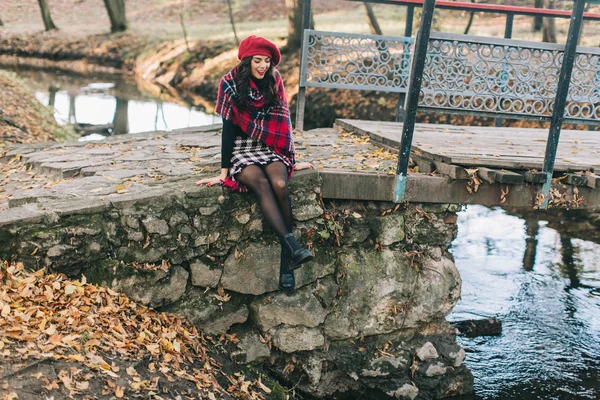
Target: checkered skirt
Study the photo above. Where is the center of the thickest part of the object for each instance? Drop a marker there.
(247, 151)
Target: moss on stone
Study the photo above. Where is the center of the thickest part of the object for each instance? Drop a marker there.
(109, 269)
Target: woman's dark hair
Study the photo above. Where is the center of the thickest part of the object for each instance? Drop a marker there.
(267, 85)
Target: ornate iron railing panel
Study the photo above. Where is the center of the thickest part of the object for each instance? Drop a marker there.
(509, 78)
(354, 61)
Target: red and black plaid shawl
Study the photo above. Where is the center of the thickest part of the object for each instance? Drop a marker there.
(271, 126)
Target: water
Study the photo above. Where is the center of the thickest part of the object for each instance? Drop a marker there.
(550, 309)
(113, 103)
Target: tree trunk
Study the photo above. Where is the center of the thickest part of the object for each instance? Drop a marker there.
(121, 118)
(549, 31)
(72, 113)
(538, 22)
(469, 23)
(116, 13)
(48, 23)
(294, 10)
(372, 20)
(1, 24)
(182, 22)
(52, 96)
(232, 20)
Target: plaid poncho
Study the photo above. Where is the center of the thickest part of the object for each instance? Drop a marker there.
(271, 126)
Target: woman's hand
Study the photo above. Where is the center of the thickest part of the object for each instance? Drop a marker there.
(214, 181)
(209, 181)
(303, 165)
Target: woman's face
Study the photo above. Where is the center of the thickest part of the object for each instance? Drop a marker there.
(259, 66)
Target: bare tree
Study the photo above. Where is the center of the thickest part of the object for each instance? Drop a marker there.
(182, 22)
(294, 10)
(116, 13)
(538, 22)
(470, 22)
(237, 40)
(372, 20)
(549, 31)
(48, 23)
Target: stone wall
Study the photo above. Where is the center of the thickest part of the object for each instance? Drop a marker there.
(368, 313)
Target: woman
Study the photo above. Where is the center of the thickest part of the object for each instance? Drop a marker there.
(257, 147)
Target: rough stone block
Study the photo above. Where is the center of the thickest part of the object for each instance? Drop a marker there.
(375, 284)
(306, 210)
(388, 229)
(430, 228)
(203, 275)
(250, 347)
(355, 231)
(255, 271)
(406, 391)
(210, 313)
(301, 308)
(154, 225)
(152, 288)
(290, 339)
(436, 369)
(427, 352)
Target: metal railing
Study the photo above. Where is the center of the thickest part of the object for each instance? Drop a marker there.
(508, 78)
(355, 61)
(462, 74)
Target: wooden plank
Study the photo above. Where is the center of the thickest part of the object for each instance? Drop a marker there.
(593, 181)
(493, 175)
(534, 177)
(576, 180)
(453, 171)
(425, 165)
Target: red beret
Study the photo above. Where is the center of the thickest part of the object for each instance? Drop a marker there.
(259, 46)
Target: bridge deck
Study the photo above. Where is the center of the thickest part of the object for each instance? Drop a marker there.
(478, 146)
(71, 177)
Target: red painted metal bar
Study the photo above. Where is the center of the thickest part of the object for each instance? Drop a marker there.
(491, 8)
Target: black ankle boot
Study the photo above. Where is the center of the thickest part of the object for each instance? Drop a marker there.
(296, 253)
(287, 281)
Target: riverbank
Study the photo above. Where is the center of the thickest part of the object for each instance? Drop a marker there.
(23, 119)
(177, 71)
(167, 66)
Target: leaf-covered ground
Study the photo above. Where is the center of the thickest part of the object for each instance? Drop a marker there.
(23, 119)
(62, 338)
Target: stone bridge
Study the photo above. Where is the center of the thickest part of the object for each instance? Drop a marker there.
(368, 315)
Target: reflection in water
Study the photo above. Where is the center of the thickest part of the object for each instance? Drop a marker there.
(543, 287)
(109, 104)
(531, 231)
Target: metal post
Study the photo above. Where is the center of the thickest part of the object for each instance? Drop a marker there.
(410, 13)
(301, 98)
(412, 100)
(562, 90)
(508, 28)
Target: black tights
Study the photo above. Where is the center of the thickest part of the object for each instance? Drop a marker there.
(271, 186)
